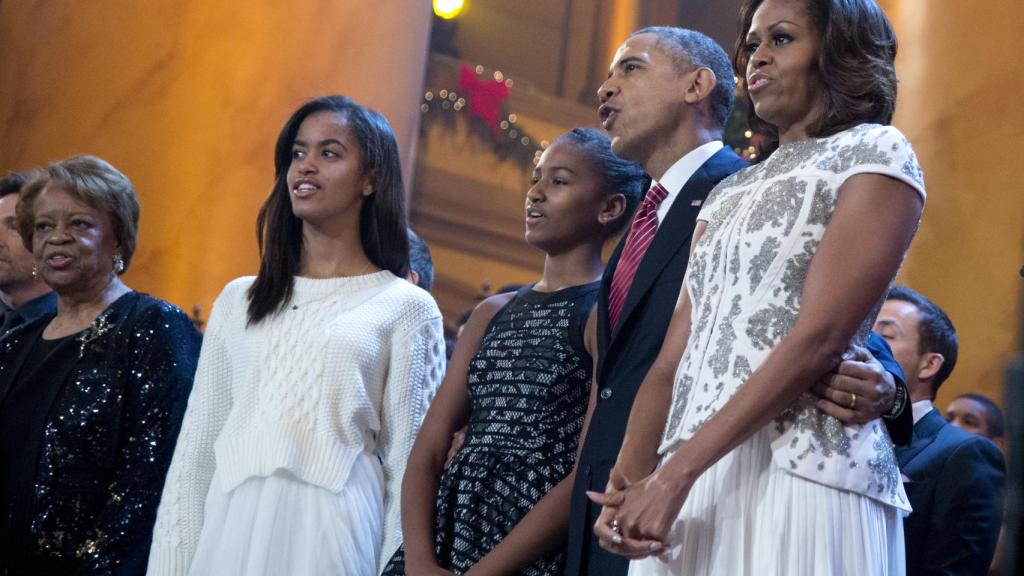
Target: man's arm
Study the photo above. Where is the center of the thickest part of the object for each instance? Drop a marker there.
(875, 378)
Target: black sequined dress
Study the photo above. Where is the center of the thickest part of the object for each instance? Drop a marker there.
(528, 385)
(88, 435)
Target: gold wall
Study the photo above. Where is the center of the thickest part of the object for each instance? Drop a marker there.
(186, 97)
(959, 104)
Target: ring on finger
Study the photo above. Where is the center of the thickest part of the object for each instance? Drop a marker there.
(615, 527)
(853, 400)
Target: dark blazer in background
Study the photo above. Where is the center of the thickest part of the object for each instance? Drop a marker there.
(955, 487)
(626, 354)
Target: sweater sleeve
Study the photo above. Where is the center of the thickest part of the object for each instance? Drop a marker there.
(180, 515)
(415, 370)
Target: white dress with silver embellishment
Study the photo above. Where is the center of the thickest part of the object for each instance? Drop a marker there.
(805, 495)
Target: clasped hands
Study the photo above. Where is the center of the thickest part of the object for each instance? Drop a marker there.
(637, 516)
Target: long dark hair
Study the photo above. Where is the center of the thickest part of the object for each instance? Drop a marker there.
(856, 67)
(381, 218)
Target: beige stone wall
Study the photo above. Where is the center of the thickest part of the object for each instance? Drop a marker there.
(960, 105)
(187, 97)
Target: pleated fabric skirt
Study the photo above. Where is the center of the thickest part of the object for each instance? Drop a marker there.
(746, 516)
(280, 525)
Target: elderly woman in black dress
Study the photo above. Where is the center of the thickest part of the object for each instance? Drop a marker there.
(92, 393)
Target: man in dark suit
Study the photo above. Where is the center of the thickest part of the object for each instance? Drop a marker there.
(979, 415)
(668, 95)
(954, 479)
(24, 296)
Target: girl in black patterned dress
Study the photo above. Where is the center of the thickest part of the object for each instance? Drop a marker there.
(519, 380)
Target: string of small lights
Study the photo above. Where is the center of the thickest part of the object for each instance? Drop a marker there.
(482, 102)
(482, 105)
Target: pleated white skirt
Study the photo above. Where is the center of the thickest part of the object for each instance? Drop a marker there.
(746, 516)
(280, 525)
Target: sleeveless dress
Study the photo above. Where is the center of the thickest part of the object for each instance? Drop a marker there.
(528, 385)
(805, 495)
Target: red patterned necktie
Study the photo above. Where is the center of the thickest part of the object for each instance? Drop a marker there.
(641, 233)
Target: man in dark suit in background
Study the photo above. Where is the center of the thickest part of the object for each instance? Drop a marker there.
(23, 296)
(979, 415)
(665, 103)
(954, 479)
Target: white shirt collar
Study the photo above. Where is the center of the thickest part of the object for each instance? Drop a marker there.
(679, 173)
(920, 408)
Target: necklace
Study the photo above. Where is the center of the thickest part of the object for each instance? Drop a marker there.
(366, 271)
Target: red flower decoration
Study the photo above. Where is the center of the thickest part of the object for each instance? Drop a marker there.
(484, 98)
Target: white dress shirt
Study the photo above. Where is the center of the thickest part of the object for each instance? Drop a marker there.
(679, 173)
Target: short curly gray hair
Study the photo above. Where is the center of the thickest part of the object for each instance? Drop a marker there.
(96, 183)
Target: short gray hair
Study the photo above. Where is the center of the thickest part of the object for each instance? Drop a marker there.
(693, 49)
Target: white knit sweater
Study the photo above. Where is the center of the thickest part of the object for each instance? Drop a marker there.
(349, 366)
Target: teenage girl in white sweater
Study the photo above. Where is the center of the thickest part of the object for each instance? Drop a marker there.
(314, 376)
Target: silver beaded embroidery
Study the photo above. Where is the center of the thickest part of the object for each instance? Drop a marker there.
(827, 433)
(884, 469)
(780, 206)
(768, 325)
(719, 361)
(856, 155)
(792, 285)
(682, 392)
(764, 225)
(760, 263)
(734, 265)
(822, 204)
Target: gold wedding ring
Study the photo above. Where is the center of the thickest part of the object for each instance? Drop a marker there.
(853, 400)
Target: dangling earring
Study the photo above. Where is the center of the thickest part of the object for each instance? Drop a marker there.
(367, 190)
(118, 264)
(35, 272)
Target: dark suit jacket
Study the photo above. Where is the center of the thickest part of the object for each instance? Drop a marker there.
(626, 354)
(955, 487)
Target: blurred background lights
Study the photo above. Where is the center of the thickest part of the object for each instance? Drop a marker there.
(449, 9)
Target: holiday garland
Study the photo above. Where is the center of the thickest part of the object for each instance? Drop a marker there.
(489, 121)
(485, 101)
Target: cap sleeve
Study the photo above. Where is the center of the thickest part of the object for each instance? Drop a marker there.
(878, 150)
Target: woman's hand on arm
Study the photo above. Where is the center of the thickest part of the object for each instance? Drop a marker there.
(858, 390)
(872, 225)
(448, 413)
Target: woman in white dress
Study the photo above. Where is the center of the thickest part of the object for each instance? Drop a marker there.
(314, 376)
(791, 260)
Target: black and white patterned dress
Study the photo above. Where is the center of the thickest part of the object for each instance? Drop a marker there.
(528, 386)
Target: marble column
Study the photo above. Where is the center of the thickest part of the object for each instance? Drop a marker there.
(959, 104)
(187, 97)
